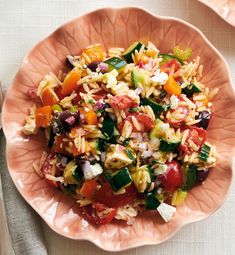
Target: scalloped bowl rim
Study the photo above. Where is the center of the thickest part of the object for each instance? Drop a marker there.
(4, 112)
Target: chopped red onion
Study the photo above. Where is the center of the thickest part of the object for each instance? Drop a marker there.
(99, 105)
(86, 167)
(149, 65)
(138, 91)
(103, 67)
(70, 120)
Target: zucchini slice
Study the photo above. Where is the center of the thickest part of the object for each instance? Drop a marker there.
(151, 201)
(191, 89)
(120, 180)
(139, 76)
(190, 176)
(204, 153)
(168, 146)
(115, 63)
(127, 54)
(157, 108)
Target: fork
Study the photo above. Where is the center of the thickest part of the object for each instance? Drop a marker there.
(5, 241)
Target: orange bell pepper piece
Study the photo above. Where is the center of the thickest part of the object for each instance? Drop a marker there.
(91, 117)
(70, 83)
(43, 116)
(49, 97)
(89, 188)
(172, 87)
(95, 53)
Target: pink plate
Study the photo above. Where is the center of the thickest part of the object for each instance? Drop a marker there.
(224, 8)
(117, 27)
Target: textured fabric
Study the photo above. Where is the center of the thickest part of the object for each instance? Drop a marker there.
(24, 23)
(24, 225)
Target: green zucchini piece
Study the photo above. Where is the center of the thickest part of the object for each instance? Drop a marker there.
(78, 174)
(191, 89)
(168, 57)
(168, 146)
(70, 175)
(130, 154)
(108, 129)
(152, 202)
(157, 108)
(204, 153)
(139, 76)
(190, 176)
(183, 55)
(178, 197)
(115, 63)
(127, 54)
(120, 180)
(70, 188)
(157, 131)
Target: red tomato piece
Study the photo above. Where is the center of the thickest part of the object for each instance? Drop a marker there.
(89, 188)
(170, 67)
(105, 196)
(98, 213)
(173, 178)
(122, 102)
(146, 123)
(197, 135)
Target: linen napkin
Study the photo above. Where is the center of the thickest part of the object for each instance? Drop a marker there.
(23, 223)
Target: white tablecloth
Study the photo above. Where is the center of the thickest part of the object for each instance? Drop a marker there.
(24, 22)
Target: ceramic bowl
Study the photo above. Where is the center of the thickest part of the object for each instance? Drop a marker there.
(117, 27)
(224, 8)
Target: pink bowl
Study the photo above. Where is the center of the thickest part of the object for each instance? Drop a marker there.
(224, 8)
(117, 27)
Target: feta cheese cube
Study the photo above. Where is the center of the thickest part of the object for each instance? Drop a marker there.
(160, 78)
(116, 157)
(166, 211)
(91, 171)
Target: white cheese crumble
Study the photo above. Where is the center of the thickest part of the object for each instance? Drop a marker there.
(174, 101)
(166, 211)
(160, 77)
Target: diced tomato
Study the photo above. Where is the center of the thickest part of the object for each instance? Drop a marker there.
(173, 178)
(49, 97)
(145, 122)
(60, 144)
(122, 102)
(43, 116)
(176, 118)
(98, 213)
(172, 87)
(89, 188)
(70, 82)
(105, 196)
(170, 67)
(197, 135)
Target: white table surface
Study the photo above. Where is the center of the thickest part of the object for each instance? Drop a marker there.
(24, 22)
